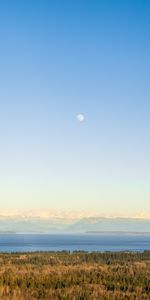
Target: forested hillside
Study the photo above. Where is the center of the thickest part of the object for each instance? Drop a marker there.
(78, 275)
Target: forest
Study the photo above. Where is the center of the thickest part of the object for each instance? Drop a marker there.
(75, 275)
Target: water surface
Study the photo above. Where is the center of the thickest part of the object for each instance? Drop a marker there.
(72, 242)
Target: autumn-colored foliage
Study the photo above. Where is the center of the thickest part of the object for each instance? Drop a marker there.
(74, 276)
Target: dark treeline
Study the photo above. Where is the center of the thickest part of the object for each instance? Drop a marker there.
(77, 275)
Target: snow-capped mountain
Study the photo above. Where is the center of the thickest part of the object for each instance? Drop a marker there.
(53, 221)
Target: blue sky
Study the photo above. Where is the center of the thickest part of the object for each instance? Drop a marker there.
(59, 58)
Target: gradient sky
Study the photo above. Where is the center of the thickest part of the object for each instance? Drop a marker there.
(59, 58)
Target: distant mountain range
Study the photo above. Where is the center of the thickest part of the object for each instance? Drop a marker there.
(57, 222)
(69, 214)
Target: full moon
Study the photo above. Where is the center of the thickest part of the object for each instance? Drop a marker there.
(80, 117)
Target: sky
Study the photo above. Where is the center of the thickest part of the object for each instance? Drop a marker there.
(60, 58)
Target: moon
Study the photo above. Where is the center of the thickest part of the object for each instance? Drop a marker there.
(80, 117)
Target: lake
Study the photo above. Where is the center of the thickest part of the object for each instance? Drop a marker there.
(72, 242)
